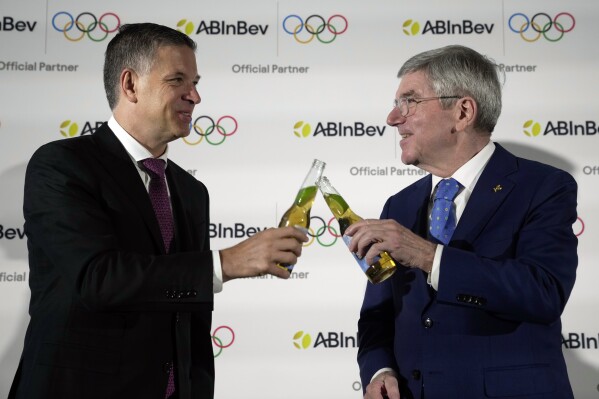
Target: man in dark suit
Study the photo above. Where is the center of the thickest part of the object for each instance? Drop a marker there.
(473, 312)
(121, 298)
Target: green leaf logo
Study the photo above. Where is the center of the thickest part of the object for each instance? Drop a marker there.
(531, 128)
(72, 130)
(301, 129)
(186, 26)
(411, 27)
(301, 340)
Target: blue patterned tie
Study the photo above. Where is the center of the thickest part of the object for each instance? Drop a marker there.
(443, 220)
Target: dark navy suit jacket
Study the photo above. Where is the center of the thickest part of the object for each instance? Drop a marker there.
(109, 309)
(492, 330)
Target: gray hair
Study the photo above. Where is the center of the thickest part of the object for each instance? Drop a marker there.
(458, 70)
(134, 46)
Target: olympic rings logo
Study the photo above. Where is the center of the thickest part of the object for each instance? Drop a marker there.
(579, 229)
(565, 24)
(220, 342)
(317, 234)
(204, 126)
(86, 23)
(319, 31)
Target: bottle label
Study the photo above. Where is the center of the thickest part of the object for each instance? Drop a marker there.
(361, 262)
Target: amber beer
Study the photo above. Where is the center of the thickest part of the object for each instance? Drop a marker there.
(384, 265)
(298, 215)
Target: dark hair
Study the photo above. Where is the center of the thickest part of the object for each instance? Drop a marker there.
(458, 70)
(134, 46)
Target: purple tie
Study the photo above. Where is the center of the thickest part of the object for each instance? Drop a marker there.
(159, 197)
(162, 209)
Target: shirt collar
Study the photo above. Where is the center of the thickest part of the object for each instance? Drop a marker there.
(467, 175)
(136, 151)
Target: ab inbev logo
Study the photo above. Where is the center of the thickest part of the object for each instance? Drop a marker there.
(303, 129)
(532, 128)
(541, 25)
(205, 128)
(315, 26)
(70, 128)
(327, 340)
(10, 24)
(75, 27)
(235, 230)
(580, 340)
(411, 27)
(221, 28)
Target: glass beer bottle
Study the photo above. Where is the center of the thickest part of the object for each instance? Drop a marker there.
(384, 265)
(299, 213)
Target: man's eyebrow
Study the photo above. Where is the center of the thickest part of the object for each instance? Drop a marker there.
(182, 74)
(409, 93)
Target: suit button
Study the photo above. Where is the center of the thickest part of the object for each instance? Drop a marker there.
(428, 322)
(416, 374)
(194, 293)
(167, 367)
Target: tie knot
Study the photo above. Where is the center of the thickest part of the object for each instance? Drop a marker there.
(155, 167)
(447, 189)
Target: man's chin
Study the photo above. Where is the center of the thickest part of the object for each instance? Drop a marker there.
(408, 161)
(182, 132)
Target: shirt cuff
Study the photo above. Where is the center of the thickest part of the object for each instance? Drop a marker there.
(384, 369)
(217, 275)
(433, 276)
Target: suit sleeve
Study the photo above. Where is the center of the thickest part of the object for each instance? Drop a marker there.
(376, 327)
(529, 274)
(74, 245)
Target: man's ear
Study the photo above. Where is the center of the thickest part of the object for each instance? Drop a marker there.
(466, 110)
(128, 85)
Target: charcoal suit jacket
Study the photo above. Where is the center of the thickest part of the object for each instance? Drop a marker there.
(492, 330)
(110, 310)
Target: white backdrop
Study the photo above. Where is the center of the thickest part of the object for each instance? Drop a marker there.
(282, 100)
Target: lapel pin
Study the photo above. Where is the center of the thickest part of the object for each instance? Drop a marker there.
(497, 188)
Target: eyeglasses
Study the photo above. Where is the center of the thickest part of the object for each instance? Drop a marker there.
(405, 103)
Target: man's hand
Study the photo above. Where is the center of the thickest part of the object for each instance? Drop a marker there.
(370, 237)
(260, 254)
(383, 386)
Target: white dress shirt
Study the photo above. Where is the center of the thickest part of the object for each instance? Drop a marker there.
(467, 175)
(137, 153)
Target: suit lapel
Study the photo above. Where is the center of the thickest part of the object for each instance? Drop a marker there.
(414, 214)
(114, 158)
(490, 191)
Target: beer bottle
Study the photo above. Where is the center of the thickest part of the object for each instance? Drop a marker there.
(299, 213)
(384, 265)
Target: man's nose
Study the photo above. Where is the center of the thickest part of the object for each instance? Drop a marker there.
(395, 118)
